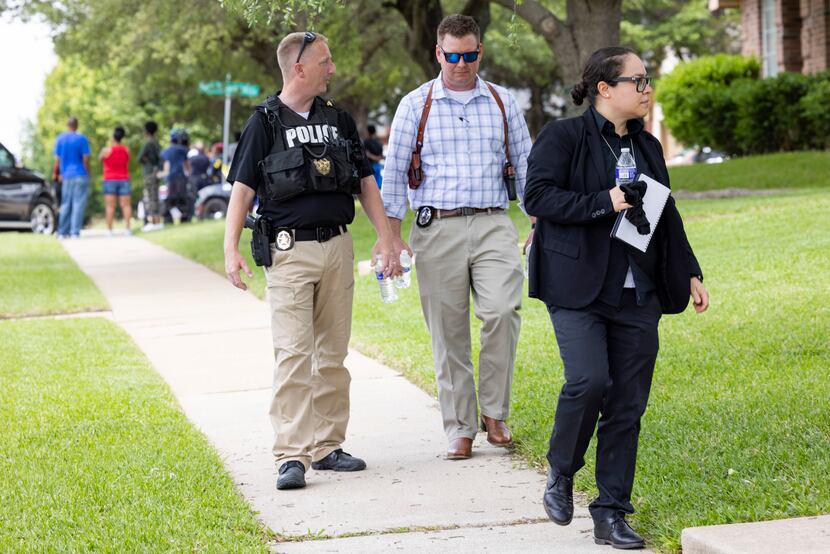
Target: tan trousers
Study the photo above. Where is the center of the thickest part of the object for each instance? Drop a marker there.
(454, 257)
(310, 291)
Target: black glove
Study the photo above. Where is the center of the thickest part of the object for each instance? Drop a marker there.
(634, 194)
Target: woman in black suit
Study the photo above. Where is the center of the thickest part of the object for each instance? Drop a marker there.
(605, 298)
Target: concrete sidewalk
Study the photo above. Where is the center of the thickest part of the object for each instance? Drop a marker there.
(211, 343)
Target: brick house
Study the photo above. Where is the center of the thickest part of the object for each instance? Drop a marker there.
(787, 35)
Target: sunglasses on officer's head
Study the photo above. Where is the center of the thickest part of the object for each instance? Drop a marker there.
(455, 57)
(642, 81)
(308, 38)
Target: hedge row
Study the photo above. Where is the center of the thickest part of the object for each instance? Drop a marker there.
(720, 101)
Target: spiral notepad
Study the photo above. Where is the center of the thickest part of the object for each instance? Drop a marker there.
(657, 194)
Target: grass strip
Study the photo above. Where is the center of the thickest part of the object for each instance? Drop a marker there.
(770, 171)
(37, 277)
(96, 456)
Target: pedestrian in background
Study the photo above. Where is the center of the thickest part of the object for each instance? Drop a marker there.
(72, 156)
(176, 168)
(150, 159)
(116, 161)
(374, 151)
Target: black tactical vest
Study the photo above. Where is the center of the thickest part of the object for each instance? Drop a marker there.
(310, 157)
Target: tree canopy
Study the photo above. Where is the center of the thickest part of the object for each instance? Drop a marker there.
(147, 58)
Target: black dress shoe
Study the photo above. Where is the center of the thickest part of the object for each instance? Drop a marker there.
(292, 476)
(340, 461)
(614, 530)
(559, 498)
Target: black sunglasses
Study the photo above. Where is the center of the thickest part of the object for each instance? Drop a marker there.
(455, 57)
(308, 38)
(642, 82)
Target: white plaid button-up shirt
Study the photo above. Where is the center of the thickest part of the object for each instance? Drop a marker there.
(463, 154)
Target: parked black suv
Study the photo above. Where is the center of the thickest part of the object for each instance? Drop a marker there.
(26, 199)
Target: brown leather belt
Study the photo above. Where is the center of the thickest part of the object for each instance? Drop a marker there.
(440, 214)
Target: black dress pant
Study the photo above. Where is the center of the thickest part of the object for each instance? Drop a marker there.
(609, 355)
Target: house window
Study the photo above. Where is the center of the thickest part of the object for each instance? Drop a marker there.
(769, 36)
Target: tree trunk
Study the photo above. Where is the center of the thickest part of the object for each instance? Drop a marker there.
(423, 17)
(590, 25)
(535, 116)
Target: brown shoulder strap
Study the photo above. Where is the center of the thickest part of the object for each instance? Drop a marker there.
(503, 117)
(419, 141)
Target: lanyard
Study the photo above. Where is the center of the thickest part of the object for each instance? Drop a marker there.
(630, 140)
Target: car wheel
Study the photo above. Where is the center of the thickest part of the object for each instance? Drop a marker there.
(43, 218)
(215, 208)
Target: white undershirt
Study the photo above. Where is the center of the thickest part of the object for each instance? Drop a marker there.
(304, 115)
(462, 96)
(629, 280)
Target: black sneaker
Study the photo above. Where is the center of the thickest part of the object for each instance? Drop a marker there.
(292, 476)
(340, 461)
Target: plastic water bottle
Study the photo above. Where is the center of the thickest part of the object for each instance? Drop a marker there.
(387, 287)
(403, 280)
(626, 171)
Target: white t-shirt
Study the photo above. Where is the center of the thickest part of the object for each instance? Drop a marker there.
(462, 96)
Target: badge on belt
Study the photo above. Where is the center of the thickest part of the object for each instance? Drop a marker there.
(424, 216)
(284, 239)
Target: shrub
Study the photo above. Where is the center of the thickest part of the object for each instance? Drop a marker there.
(718, 101)
(769, 114)
(696, 101)
(815, 109)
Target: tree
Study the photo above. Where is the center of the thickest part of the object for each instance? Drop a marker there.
(687, 29)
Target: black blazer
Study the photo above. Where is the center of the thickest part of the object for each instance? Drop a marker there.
(567, 190)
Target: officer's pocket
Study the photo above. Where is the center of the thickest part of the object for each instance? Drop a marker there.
(284, 174)
(323, 173)
(344, 170)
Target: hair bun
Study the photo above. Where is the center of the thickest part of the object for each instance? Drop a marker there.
(578, 93)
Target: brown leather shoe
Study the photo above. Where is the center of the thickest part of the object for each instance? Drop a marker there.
(460, 449)
(498, 433)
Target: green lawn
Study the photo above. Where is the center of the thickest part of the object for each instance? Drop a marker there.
(95, 455)
(771, 171)
(38, 277)
(738, 427)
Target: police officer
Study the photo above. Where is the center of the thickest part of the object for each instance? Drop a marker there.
(301, 155)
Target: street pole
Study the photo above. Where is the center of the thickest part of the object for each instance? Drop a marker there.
(227, 125)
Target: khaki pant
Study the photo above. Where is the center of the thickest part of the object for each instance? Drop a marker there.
(454, 257)
(310, 291)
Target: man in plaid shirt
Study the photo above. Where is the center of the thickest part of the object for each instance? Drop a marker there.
(463, 238)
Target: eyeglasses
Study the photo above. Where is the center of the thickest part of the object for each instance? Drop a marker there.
(308, 38)
(455, 57)
(642, 82)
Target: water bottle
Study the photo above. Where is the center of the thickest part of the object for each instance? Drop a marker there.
(626, 171)
(387, 287)
(403, 280)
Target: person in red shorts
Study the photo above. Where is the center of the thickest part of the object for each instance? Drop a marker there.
(116, 161)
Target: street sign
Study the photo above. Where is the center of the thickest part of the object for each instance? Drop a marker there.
(230, 88)
(213, 88)
(242, 89)
(227, 88)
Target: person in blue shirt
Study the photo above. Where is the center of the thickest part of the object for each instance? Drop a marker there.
(72, 160)
(176, 168)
